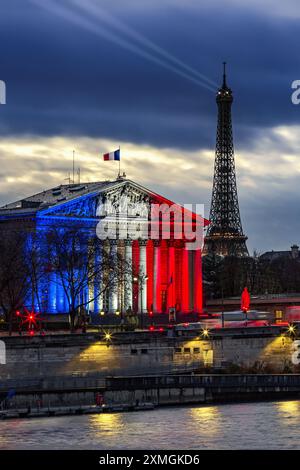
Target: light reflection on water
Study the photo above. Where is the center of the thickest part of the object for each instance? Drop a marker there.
(207, 419)
(269, 425)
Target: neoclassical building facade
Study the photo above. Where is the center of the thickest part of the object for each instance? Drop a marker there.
(155, 236)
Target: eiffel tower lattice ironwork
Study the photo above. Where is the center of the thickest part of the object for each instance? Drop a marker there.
(225, 235)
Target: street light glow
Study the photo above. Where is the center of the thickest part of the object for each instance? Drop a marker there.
(205, 333)
(291, 329)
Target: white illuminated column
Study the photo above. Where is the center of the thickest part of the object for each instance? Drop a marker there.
(128, 275)
(142, 276)
(99, 280)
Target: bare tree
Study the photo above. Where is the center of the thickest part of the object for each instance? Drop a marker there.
(18, 269)
(80, 261)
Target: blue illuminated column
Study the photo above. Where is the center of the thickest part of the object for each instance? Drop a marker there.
(60, 295)
(84, 247)
(96, 282)
(52, 284)
(52, 287)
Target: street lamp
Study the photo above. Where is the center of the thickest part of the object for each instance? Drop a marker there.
(292, 330)
(205, 333)
(141, 279)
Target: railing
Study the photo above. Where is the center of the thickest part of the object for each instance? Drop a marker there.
(207, 381)
(58, 383)
(212, 381)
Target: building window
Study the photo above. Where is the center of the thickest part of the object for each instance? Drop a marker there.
(134, 351)
(144, 351)
(178, 350)
(187, 350)
(196, 350)
(208, 357)
(278, 314)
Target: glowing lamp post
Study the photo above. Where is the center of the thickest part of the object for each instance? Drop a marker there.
(205, 333)
(245, 301)
(292, 330)
(29, 319)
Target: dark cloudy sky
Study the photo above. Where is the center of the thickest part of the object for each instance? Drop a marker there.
(142, 74)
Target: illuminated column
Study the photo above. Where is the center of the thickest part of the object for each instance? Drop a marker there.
(94, 290)
(149, 255)
(60, 296)
(178, 276)
(84, 295)
(171, 274)
(100, 276)
(185, 279)
(142, 275)
(113, 292)
(198, 281)
(128, 275)
(52, 288)
(156, 277)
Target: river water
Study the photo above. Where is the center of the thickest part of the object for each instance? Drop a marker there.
(268, 425)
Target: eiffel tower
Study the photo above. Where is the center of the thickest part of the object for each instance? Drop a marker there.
(225, 235)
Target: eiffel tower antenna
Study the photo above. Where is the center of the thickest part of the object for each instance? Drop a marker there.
(225, 235)
(224, 75)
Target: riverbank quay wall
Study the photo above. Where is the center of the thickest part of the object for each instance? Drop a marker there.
(181, 389)
(129, 393)
(141, 353)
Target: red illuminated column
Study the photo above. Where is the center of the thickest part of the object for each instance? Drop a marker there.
(156, 277)
(171, 274)
(185, 279)
(198, 281)
(149, 254)
(178, 275)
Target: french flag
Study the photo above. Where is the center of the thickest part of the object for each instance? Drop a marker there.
(112, 155)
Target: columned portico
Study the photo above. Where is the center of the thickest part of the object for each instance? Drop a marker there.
(178, 282)
(167, 275)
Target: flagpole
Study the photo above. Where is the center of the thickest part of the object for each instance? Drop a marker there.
(73, 166)
(119, 161)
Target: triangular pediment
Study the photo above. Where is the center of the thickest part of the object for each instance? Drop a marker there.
(102, 202)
